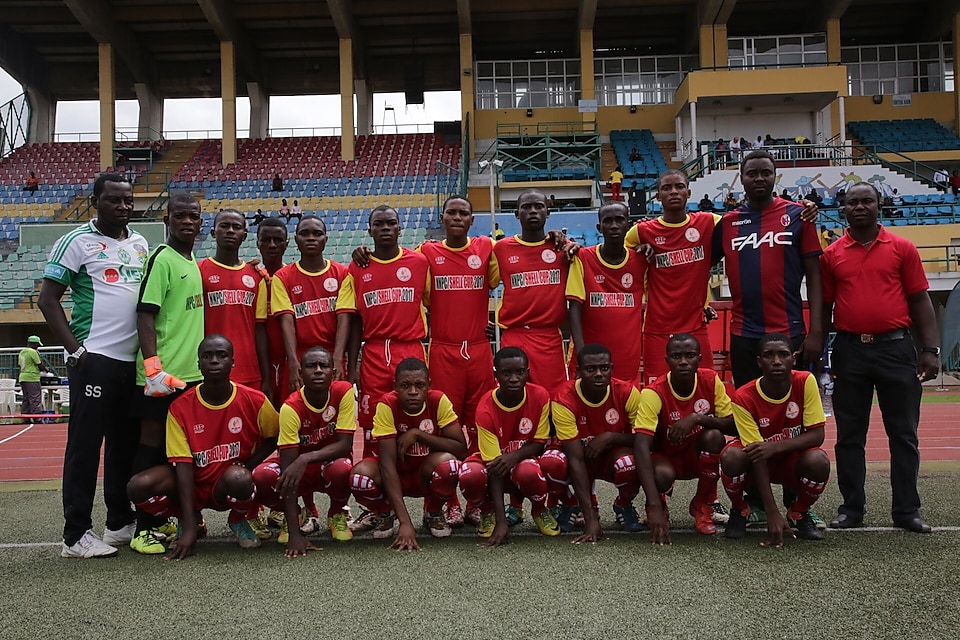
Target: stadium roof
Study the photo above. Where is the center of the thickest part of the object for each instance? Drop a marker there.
(291, 47)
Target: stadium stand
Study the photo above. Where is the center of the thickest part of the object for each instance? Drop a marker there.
(914, 134)
(642, 172)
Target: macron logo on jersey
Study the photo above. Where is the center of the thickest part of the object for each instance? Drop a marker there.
(755, 241)
(540, 278)
(379, 297)
(219, 453)
(230, 297)
(621, 300)
(315, 307)
(458, 283)
(676, 258)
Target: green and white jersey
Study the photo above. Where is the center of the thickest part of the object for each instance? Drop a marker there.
(172, 288)
(104, 276)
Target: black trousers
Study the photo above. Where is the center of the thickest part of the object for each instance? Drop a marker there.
(891, 369)
(102, 395)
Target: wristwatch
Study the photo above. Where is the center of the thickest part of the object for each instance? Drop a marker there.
(74, 358)
(934, 350)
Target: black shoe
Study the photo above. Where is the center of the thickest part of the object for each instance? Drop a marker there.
(736, 527)
(845, 521)
(807, 528)
(915, 524)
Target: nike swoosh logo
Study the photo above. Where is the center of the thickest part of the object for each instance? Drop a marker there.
(184, 276)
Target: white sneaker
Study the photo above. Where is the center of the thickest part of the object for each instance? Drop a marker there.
(88, 546)
(123, 535)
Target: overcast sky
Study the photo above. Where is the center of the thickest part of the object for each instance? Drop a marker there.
(321, 112)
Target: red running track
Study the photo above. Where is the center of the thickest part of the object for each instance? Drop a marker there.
(37, 454)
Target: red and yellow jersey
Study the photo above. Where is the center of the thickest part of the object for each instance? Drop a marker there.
(759, 417)
(504, 430)
(235, 300)
(391, 420)
(534, 277)
(389, 295)
(460, 282)
(679, 275)
(274, 334)
(311, 428)
(611, 296)
(212, 437)
(312, 299)
(576, 417)
(661, 406)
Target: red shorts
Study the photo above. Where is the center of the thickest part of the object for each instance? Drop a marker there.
(544, 349)
(685, 463)
(782, 468)
(203, 497)
(464, 372)
(602, 467)
(377, 368)
(655, 352)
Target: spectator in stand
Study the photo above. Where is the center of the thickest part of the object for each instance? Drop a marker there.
(941, 178)
(730, 203)
(814, 197)
(258, 217)
(759, 143)
(735, 147)
(955, 183)
(33, 183)
(277, 184)
(552, 202)
(769, 141)
(723, 155)
(634, 155)
(840, 198)
(498, 233)
(786, 195)
(705, 204)
(284, 209)
(616, 179)
(296, 211)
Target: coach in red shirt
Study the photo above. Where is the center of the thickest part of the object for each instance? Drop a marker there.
(874, 283)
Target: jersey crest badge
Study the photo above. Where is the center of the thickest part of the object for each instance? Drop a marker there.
(330, 284)
(235, 425)
(692, 234)
(403, 274)
(526, 426)
(793, 410)
(611, 416)
(702, 406)
(248, 280)
(549, 256)
(474, 262)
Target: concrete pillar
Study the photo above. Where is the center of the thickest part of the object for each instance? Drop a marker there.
(43, 117)
(721, 55)
(365, 121)
(228, 97)
(259, 110)
(707, 58)
(588, 88)
(842, 124)
(694, 141)
(150, 125)
(678, 128)
(467, 95)
(833, 41)
(107, 105)
(347, 139)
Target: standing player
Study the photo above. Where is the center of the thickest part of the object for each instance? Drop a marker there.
(272, 244)
(513, 424)
(780, 426)
(689, 410)
(317, 424)
(169, 324)
(420, 445)
(595, 416)
(305, 297)
(605, 291)
(101, 339)
(235, 303)
(874, 283)
(216, 434)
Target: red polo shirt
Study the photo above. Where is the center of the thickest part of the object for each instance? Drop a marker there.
(869, 285)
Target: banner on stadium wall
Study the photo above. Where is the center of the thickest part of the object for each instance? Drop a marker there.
(950, 340)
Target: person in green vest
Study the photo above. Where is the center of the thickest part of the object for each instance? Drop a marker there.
(30, 367)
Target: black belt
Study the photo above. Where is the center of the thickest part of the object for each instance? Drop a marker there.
(870, 338)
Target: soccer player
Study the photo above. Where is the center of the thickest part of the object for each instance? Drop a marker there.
(688, 412)
(534, 275)
(317, 424)
(305, 297)
(595, 416)
(513, 424)
(272, 244)
(605, 291)
(874, 283)
(420, 445)
(216, 433)
(169, 328)
(101, 339)
(235, 301)
(779, 422)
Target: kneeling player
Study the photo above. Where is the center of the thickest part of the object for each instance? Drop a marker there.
(217, 433)
(595, 416)
(513, 423)
(780, 425)
(317, 424)
(690, 411)
(420, 444)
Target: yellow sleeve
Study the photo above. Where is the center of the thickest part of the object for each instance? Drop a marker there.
(347, 298)
(747, 427)
(445, 413)
(493, 271)
(279, 298)
(261, 304)
(178, 450)
(543, 424)
(716, 218)
(722, 407)
(383, 425)
(813, 415)
(632, 240)
(269, 420)
(575, 287)
(489, 444)
(564, 421)
(347, 414)
(289, 428)
(648, 411)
